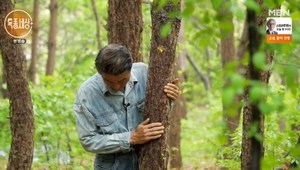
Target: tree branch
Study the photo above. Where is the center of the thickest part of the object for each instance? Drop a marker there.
(203, 78)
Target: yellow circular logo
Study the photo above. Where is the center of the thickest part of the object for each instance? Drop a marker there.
(18, 23)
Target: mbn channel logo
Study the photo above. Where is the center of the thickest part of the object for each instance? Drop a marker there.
(18, 24)
(279, 26)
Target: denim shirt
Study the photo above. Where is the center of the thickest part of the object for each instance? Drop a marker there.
(105, 118)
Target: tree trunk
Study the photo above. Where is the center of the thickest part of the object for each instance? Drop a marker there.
(34, 45)
(52, 38)
(126, 25)
(179, 111)
(208, 68)
(154, 155)
(231, 116)
(179, 107)
(252, 147)
(21, 111)
(98, 23)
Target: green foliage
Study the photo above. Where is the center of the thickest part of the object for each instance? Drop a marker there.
(5, 132)
(203, 135)
(200, 136)
(280, 139)
(166, 29)
(259, 60)
(56, 141)
(251, 4)
(278, 101)
(216, 4)
(232, 153)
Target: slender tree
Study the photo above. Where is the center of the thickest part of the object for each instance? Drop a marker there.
(125, 25)
(229, 54)
(203, 77)
(34, 45)
(98, 23)
(52, 37)
(179, 109)
(252, 145)
(21, 111)
(154, 155)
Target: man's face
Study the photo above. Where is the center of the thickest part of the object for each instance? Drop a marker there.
(271, 25)
(116, 82)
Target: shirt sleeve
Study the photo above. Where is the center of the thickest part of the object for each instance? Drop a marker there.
(92, 140)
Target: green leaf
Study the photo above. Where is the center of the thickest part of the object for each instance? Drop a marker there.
(255, 93)
(228, 95)
(265, 108)
(162, 3)
(259, 60)
(166, 29)
(237, 82)
(251, 4)
(291, 78)
(216, 4)
(188, 10)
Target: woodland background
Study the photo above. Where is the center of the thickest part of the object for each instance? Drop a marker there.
(212, 85)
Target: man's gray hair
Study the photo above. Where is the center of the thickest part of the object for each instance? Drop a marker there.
(113, 59)
(269, 20)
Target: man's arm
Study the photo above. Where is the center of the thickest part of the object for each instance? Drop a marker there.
(149, 131)
(95, 142)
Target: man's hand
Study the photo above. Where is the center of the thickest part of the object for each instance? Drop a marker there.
(145, 132)
(171, 89)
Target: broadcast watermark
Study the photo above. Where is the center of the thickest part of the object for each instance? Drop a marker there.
(18, 24)
(279, 26)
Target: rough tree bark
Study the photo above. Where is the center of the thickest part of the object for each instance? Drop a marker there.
(21, 111)
(52, 37)
(34, 45)
(126, 25)
(154, 155)
(252, 147)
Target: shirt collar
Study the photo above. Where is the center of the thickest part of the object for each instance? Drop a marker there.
(106, 90)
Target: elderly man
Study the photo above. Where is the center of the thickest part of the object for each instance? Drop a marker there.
(109, 110)
(271, 24)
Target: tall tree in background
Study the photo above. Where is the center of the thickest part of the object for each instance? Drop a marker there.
(125, 25)
(21, 111)
(154, 154)
(228, 55)
(52, 37)
(98, 23)
(179, 109)
(34, 45)
(231, 112)
(253, 119)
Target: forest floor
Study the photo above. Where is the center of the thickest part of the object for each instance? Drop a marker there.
(200, 137)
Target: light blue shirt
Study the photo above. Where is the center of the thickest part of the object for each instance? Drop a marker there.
(105, 118)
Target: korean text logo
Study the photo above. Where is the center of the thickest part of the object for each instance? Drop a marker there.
(18, 24)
